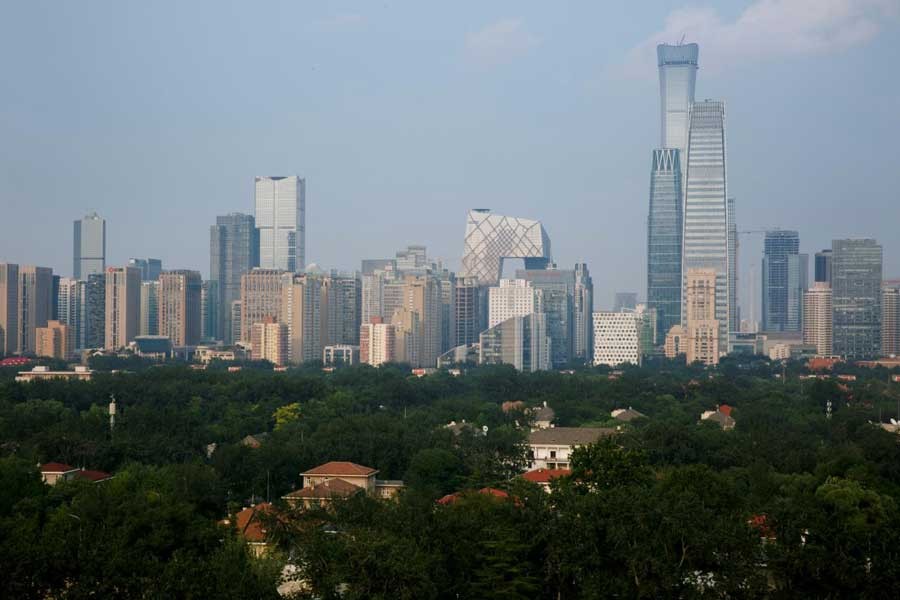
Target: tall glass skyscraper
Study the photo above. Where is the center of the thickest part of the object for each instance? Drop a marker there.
(784, 279)
(706, 220)
(281, 219)
(823, 266)
(856, 284)
(677, 77)
(664, 234)
(89, 246)
(233, 251)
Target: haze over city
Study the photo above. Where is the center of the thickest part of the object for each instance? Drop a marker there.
(401, 117)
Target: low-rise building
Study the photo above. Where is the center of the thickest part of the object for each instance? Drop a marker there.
(54, 472)
(252, 528)
(340, 354)
(543, 416)
(627, 415)
(41, 372)
(340, 479)
(543, 477)
(721, 416)
(551, 448)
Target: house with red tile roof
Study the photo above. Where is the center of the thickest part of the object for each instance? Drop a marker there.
(93, 476)
(542, 477)
(486, 491)
(251, 527)
(53, 472)
(340, 479)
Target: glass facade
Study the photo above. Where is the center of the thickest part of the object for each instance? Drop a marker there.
(823, 266)
(677, 77)
(583, 310)
(518, 341)
(784, 279)
(664, 231)
(89, 246)
(558, 287)
(233, 251)
(706, 221)
(856, 297)
(280, 204)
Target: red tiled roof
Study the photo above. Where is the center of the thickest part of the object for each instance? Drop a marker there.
(14, 361)
(327, 489)
(248, 524)
(56, 467)
(338, 468)
(451, 498)
(545, 475)
(725, 409)
(94, 476)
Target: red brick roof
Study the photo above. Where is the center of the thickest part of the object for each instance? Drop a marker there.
(451, 498)
(333, 488)
(545, 475)
(56, 467)
(725, 409)
(248, 523)
(94, 476)
(338, 468)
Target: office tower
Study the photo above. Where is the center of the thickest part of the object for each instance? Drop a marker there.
(260, 298)
(210, 316)
(411, 258)
(377, 342)
(890, 320)
(617, 338)
(817, 318)
(468, 318)
(518, 341)
(149, 308)
(491, 238)
(233, 251)
(9, 308)
(54, 298)
(301, 314)
(70, 308)
(558, 287)
(513, 298)
(340, 309)
(236, 313)
(734, 310)
(700, 314)
(150, 268)
(856, 297)
(677, 77)
(784, 279)
(446, 280)
(664, 231)
(35, 303)
(123, 306)
(624, 301)
(179, 307)
(648, 321)
(422, 295)
(269, 341)
(582, 313)
(823, 266)
(94, 320)
(372, 296)
(280, 211)
(89, 242)
(706, 222)
(55, 341)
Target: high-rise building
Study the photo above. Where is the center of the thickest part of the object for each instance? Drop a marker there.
(233, 251)
(260, 298)
(706, 221)
(734, 310)
(94, 320)
(890, 320)
(210, 307)
(700, 315)
(677, 78)
(582, 312)
(470, 319)
(491, 238)
(664, 235)
(269, 341)
(513, 298)
(422, 295)
(411, 258)
(55, 340)
(372, 296)
(617, 338)
(856, 296)
(648, 321)
(179, 307)
(518, 341)
(301, 314)
(9, 308)
(149, 308)
(280, 211)
(407, 325)
(35, 303)
(340, 309)
(624, 301)
(823, 266)
(817, 318)
(371, 265)
(784, 279)
(123, 306)
(150, 268)
(54, 296)
(377, 342)
(89, 246)
(236, 311)
(70, 308)
(558, 287)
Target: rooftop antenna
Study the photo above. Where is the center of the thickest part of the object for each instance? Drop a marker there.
(681, 41)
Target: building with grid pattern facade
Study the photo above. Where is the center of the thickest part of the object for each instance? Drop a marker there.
(490, 238)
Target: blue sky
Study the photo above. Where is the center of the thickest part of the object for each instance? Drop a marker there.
(402, 115)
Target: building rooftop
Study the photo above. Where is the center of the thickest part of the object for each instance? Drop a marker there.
(627, 414)
(57, 467)
(333, 488)
(568, 436)
(248, 522)
(545, 475)
(341, 469)
(95, 476)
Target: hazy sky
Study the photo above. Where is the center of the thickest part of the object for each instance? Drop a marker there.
(402, 115)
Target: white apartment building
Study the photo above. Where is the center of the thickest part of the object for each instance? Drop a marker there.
(513, 298)
(617, 338)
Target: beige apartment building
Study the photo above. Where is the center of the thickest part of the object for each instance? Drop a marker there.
(178, 305)
(35, 304)
(260, 298)
(817, 318)
(123, 306)
(300, 311)
(269, 341)
(377, 342)
(55, 340)
(700, 316)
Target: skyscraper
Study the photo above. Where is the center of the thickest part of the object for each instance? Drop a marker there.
(233, 251)
(677, 77)
(179, 307)
(301, 313)
(784, 279)
(817, 318)
(469, 317)
(55, 340)
(734, 310)
(518, 341)
(422, 295)
(281, 219)
(150, 268)
(583, 311)
(823, 266)
(513, 298)
(123, 306)
(890, 320)
(260, 298)
(558, 287)
(89, 246)
(210, 311)
(491, 238)
(664, 234)
(70, 308)
(35, 302)
(149, 308)
(856, 286)
(700, 315)
(9, 308)
(377, 342)
(706, 221)
(94, 319)
(269, 341)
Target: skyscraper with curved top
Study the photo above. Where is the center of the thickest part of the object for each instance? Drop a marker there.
(677, 77)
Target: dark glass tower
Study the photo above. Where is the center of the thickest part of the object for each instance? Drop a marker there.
(664, 231)
(823, 266)
(784, 278)
(856, 297)
(233, 250)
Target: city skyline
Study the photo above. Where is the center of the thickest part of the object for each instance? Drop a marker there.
(808, 195)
